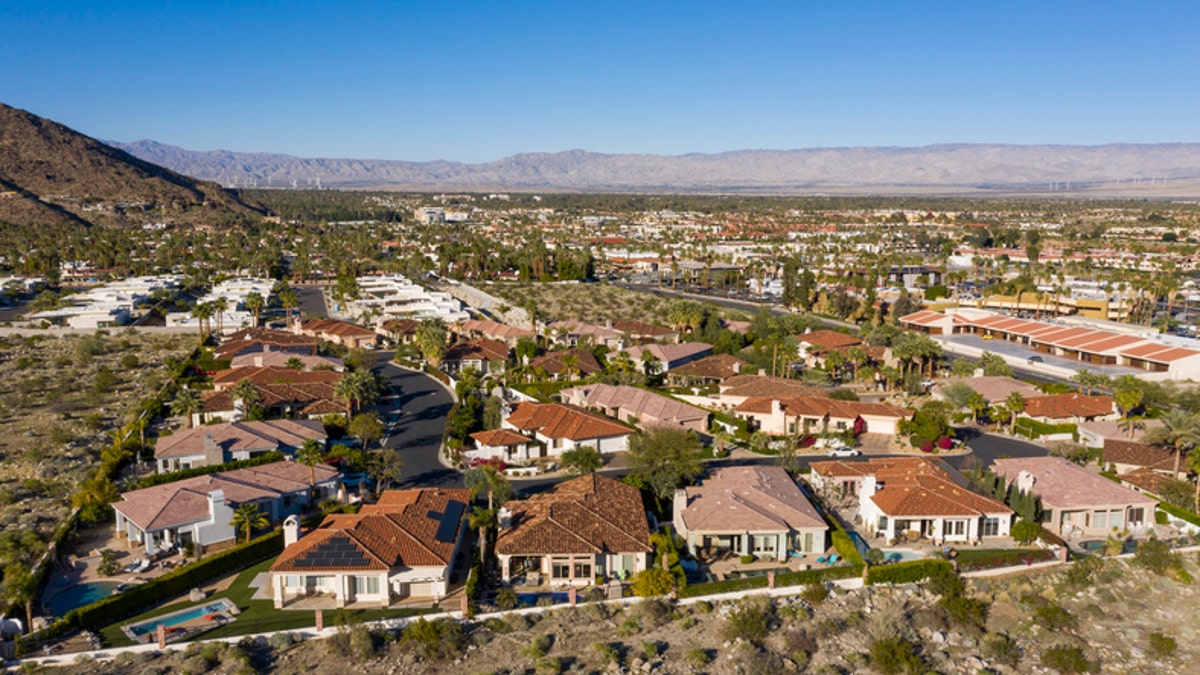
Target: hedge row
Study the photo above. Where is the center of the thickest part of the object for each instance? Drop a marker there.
(907, 572)
(160, 478)
(175, 583)
(1034, 428)
(1186, 516)
(845, 547)
(781, 580)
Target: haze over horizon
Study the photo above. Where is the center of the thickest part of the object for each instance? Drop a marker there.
(477, 82)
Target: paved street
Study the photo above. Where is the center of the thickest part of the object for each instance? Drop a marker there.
(424, 405)
(312, 300)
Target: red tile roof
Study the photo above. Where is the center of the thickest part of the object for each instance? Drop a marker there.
(818, 407)
(553, 362)
(749, 499)
(500, 438)
(715, 367)
(590, 514)
(763, 385)
(477, 350)
(554, 420)
(828, 339)
(1063, 406)
(1118, 451)
(917, 486)
(416, 529)
(237, 436)
(274, 375)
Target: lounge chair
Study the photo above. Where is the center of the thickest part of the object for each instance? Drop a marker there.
(795, 554)
(824, 560)
(833, 559)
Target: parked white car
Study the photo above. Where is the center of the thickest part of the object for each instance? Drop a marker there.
(843, 452)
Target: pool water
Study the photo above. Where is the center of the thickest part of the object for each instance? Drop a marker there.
(176, 618)
(79, 595)
(556, 597)
(906, 554)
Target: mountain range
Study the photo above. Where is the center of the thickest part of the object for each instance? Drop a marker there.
(1129, 169)
(53, 175)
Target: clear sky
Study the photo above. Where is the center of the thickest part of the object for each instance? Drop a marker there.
(477, 81)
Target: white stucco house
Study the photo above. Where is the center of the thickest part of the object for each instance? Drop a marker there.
(559, 428)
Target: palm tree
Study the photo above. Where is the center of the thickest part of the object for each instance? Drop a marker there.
(1194, 467)
(187, 402)
(248, 518)
(289, 300)
(570, 362)
(246, 392)
(1015, 404)
(20, 588)
(482, 519)
(431, 340)
(486, 479)
(220, 306)
(202, 312)
(311, 454)
(1180, 431)
(255, 302)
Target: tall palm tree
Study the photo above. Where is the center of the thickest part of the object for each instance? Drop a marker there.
(247, 518)
(1015, 404)
(220, 306)
(311, 454)
(290, 301)
(255, 302)
(347, 390)
(187, 402)
(202, 312)
(20, 588)
(1180, 431)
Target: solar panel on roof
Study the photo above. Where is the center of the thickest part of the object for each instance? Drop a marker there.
(449, 525)
(335, 552)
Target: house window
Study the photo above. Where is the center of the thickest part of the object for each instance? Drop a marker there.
(583, 569)
(288, 501)
(955, 528)
(291, 581)
(764, 543)
(991, 527)
(1136, 515)
(1100, 520)
(368, 585)
(1116, 519)
(883, 523)
(560, 568)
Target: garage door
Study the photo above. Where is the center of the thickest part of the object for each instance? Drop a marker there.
(422, 589)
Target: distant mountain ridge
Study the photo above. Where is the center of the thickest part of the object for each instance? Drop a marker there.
(51, 174)
(956, 166)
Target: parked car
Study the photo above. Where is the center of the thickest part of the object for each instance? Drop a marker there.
(988, 337)
(842, 452)
(1035, 359)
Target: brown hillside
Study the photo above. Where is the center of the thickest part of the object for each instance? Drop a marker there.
(52, 175)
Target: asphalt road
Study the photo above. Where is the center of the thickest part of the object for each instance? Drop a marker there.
(423, 407)
(733, 303)
(312, 300)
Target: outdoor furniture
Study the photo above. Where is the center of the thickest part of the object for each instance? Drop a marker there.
(833, 559)
(795, 554)
(824, 560)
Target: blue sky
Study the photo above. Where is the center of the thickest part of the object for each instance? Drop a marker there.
(477, 81)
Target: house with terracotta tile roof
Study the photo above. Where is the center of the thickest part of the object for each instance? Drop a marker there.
(400, 331)
(738, 388)
(232, 441)
(400, 548)
(503, 444)
(994, 389)
(341, 333)
(749, 510)
(1125, 456)
(493, 330)
(257, 340)
(484, 355)
(287, 399)
(917, 497)
(1076, 501)
(1062, 408)
(708, 370)
(812, 414)
(576, 333)
(639, 407)
(559, 428)
(228, 378)
(200, 509)
(669, 356)
(582, 364)
(641, 331)
(271, 358)
(574, 532)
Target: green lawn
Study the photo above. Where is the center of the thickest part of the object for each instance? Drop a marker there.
(256, 616)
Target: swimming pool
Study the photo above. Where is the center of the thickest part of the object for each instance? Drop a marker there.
(79, 595)
(182, 616)
(905, 554)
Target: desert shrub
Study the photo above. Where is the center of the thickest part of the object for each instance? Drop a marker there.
(814, 594)
(362, 643)
(197, 664)
(653, 611)
(750, 619)
(1162, 646)
(699, 657)
(498, 626)
(894, 656)
(1068, 660)
(1082, 572)
(1157, 556)
(607, 653)
(651, 649)
(752, 658)
(282, 640)
(437, 640)
(130, 361)
(1002, 649)
(549, 665)
(704, 607)
(966, 613)
(538, 646)
(1053, 617)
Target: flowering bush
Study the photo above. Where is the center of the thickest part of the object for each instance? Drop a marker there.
(495, 462)
(945, 443)
(926, 446)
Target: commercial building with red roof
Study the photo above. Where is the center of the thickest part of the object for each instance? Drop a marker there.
(1158, 358)
(914, 498)
(402, 547)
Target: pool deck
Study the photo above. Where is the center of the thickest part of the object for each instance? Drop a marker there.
(185, 629)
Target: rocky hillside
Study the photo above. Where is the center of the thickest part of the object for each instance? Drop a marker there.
(985, 168)
(53, 175)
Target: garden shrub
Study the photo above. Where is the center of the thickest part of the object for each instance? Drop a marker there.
(1025, 531)
(908, 572)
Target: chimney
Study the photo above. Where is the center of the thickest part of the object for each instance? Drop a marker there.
(680, 502)
(213, 453)
(291, 530)
(504, 518)
(258, 361)
(216, 498)
(1025, 481)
